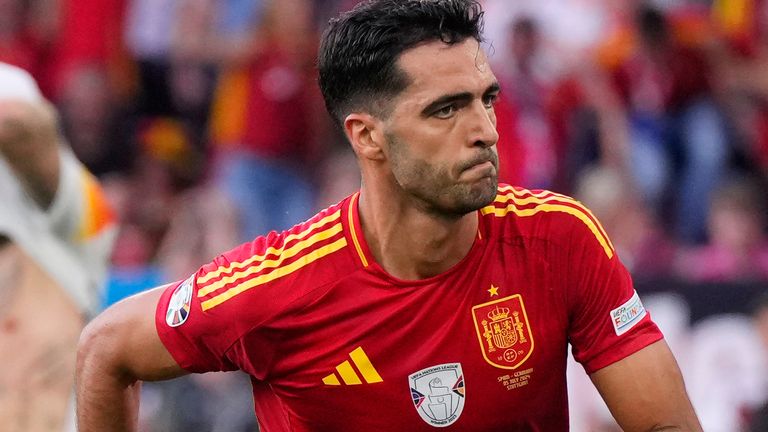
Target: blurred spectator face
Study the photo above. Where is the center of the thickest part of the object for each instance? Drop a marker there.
(652, 27)
(86, 109)
(87, 91)
(288, 20)
(734, 228)
(735, 220)
(132, 248)
(525, 39)
(11, 14)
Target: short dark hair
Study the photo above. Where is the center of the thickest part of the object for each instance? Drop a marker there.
(360, 48)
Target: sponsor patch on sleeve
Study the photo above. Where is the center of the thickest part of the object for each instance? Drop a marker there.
(627, 315)
(180, 303)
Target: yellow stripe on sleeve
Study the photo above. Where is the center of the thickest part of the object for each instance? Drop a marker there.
(270, 251)
(286, 254)
(275, 274)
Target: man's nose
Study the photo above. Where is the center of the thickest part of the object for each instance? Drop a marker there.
(483, 131)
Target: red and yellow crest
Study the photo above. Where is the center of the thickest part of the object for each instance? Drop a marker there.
(503, 331)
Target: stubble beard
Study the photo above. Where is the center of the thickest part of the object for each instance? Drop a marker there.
(434, 189)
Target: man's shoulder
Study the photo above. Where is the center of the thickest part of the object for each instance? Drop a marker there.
(542, 214)
(514, 203)
(287, 264)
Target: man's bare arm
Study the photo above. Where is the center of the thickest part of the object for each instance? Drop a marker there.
(29, 140)
(645, 392)
(117, 350)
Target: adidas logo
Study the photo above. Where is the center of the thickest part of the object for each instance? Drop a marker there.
(348, 373)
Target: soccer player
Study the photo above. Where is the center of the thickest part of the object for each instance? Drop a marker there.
(56, 235)
(433, 297)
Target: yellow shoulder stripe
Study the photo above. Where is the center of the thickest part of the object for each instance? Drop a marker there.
(283, 255)
(520, 198)
(270, 251)
(526, 197)
(523, 192)
(551, 204)
(275, 274)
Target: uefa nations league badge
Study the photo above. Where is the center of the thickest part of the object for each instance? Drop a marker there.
(438, 393)
(180, 304)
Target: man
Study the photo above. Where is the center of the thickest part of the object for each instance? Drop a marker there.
(56, 233)
(431, 298)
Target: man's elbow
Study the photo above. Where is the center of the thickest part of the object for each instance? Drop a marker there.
(98, 353)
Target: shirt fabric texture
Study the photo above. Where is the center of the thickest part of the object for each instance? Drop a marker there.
(333, 342)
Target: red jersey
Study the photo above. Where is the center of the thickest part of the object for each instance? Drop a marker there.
(333, 342)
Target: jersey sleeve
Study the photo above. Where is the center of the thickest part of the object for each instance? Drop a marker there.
(607, 320)
(212, 321)
(198, 340)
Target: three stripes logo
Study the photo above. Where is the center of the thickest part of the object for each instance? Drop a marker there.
(362, 370)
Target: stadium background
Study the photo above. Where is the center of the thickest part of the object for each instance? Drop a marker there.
(203, 121)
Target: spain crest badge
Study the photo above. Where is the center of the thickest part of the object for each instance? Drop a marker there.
(503, 331)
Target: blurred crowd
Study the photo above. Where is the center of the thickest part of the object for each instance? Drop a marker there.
(203, 120)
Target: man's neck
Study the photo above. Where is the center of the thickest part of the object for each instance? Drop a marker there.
(410, 243)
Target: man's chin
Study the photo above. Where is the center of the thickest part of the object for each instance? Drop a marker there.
(479, 195)
(486, 191)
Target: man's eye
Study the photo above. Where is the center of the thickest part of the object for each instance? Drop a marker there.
(445, 112)
(490, 100)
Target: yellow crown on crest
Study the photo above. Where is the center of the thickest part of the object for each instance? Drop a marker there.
(498, 313)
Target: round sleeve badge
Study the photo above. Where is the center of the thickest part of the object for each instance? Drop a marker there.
(180, 304)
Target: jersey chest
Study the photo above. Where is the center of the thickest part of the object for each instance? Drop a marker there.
(480, 348)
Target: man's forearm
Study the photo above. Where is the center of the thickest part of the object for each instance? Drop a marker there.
(103, 407)
(118, 349)
(107, 398)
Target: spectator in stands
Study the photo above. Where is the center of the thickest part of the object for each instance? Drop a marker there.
(56, 233)
(264, 164)
(741, 66)
(737, 249)
(23, 35)
(88, 33)
(168, 165)
(526, 146)
(637, 236)
(93, 120)
(678, 135)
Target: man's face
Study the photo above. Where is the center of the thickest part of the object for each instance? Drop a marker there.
(441, 132)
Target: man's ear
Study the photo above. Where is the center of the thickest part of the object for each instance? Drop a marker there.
(365, 133)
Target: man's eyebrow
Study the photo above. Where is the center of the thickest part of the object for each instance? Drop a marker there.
(456, 97)
(493, 88)
(445, 100)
